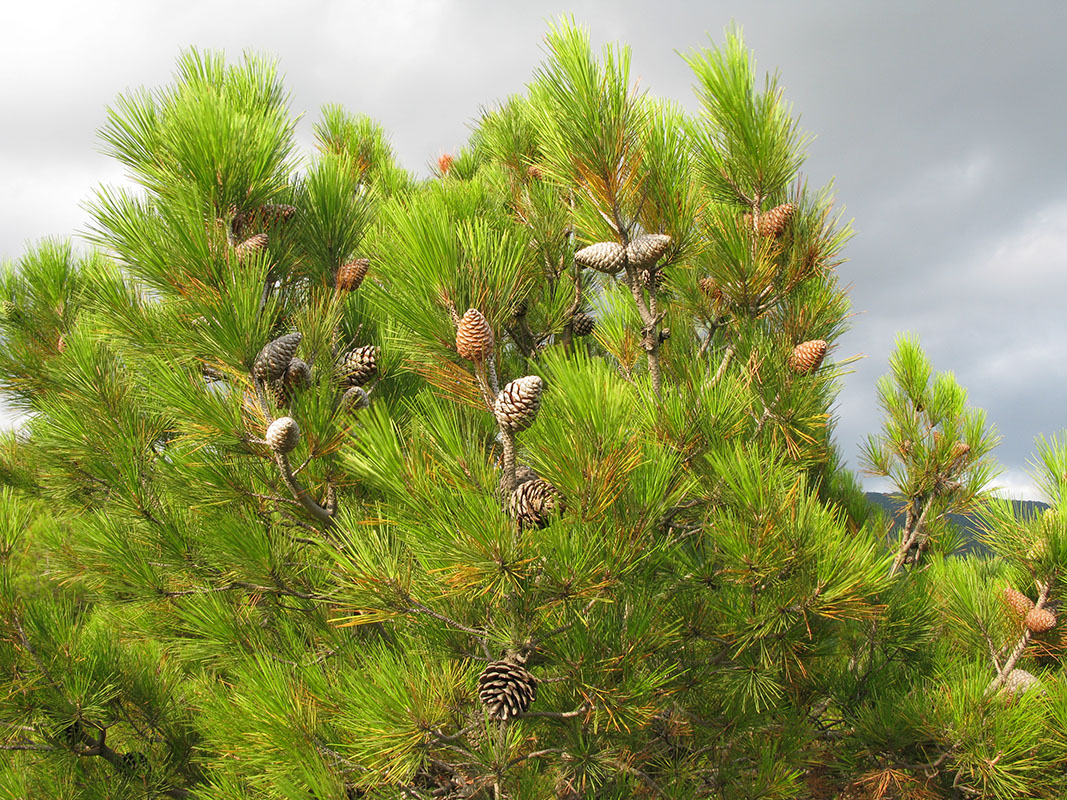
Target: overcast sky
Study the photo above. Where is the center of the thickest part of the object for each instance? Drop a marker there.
(942, 123)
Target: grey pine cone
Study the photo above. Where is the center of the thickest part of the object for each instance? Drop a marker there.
(283, 435)
(354, 399)
(360, 365)
(273, 360)
(607, 257)
(647, 249)
(517, 404)
(533, 502)
(298, 373)
(506, 689)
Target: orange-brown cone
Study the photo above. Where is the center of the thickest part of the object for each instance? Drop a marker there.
(1020, 603)
(474, 337)
(351, 275)
(807, 356)
(1040, 620)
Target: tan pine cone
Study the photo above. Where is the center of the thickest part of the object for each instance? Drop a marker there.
(533, 501)
(582, 324)
(650, 277)
(360, 365)
(773, 221)
(1020, 603)
(647, 249)
(607, 257)
(474, 337)
(283, 435)
(1019, 681)
(273, 360)
(351, 275)
(1040, 620)
(807, 356)
(354, 399)
(517, 404)
(506, 689)
(253, 244)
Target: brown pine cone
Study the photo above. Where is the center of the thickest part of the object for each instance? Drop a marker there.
(710, 288)
(360, 365)
(273, 360)
(773, 221)
(506, 689)
(253, 244)
(582, 324)
(1021, 604)
(517, 404)
(1040, 620)
(474, 337)
(533, 501)
(646, 250)
(534, 172)
(807, 356)
(283, 435)
(273, 213)
(351, 275)
(607, 257)
(298, 373)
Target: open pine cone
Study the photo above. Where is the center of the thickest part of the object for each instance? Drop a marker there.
(607, 257)
(517, 404)
(533, 502)
(474, 337)
(360, 365)
(506, 689)
(273, 360)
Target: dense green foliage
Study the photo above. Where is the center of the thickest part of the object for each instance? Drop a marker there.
(224, 575)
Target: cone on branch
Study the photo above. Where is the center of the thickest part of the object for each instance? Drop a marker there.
(1020, 681)
(517, 404)
(273, 360)
(273, 213)
(647, 249)
(253, 244)
(582, 324)
(533, 502)
(283, 435)
(607, 257)
(506, 689)
(351, 274)
(1019, 602)
(354, 399)
(1039, 620)
(710, 288)
(773, 221)
(807, 356)
(360, 365)
(474, 337)
(298, 373)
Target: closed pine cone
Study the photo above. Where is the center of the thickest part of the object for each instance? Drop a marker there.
(354, 399)
(773, 222)
(282, 393)
(1040, 620)
(607, 257)
(517, 404)
(506, 689)
(1019, 680)
(646, 250)
(533, 501)
(351, 275)
(474, 337)
(1020, 603)
(807, 356)
(582, 324)
(273, 213)
(283, 435)
(710, 288)
(650, 277)
(298, 373)
(360, 365)
(273, 360)
(253, 244)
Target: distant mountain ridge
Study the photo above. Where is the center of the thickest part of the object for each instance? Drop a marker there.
(968, 523)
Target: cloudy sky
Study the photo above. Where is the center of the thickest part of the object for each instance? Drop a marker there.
(942, 123)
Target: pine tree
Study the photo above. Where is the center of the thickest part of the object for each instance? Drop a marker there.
(514, 482)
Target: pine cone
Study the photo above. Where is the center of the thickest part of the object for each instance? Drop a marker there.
(298, 373)
(607, 257)
(506, 689)
(534, 172)
(807, 356)
(1021, 604)
(253, 244)
(582, 324)
(273, 360)
(521, 308)
(1019, 681)
(650, 277)
(283, 435)
(351, 275)
(646, 250)
(273, 213)
(773, 221)
(360, 365)
(354, 399)
(517, 404)
(1040, 620)
(474, 337)
(533, 501)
